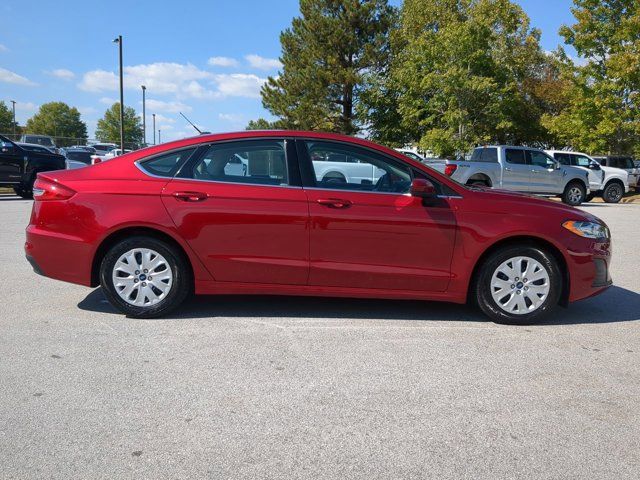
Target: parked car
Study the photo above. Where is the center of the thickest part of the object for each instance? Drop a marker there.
(84, 147)
(34, 147)
(44, 140)
(116, 152)
(168, 220)
(520, 169)
(19, 165)
(411, 154)
(103, 148)
(606, 182)
(76, 157)
(623, 162)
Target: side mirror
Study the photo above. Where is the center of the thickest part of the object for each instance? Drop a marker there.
(6, 147)
(422, 188)
(557, 166)
(594, 166)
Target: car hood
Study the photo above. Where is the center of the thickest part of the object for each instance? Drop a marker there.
(507, 202)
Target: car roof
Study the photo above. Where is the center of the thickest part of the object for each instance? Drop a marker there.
(572, 152)
(25, 144)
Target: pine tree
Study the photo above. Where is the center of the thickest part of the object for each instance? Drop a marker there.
(326, 55)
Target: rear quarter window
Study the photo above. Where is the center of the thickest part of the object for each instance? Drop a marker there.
(166, 165)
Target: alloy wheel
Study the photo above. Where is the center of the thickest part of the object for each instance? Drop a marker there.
(520, 285)
(142, 277)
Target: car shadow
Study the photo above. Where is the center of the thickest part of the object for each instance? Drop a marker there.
(615, 305)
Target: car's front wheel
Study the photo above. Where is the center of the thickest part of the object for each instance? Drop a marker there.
(518, 285)
(574, 194)
(144, 277)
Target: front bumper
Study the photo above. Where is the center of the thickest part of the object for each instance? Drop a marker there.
(589, 270)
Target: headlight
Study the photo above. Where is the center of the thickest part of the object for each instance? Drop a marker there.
(587, 229)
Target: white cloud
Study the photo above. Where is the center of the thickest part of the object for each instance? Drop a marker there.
(62, 73)
(196, 90)
(3, 48)
(108, 101)
(26, 107)
(223, 62)
(167, 107)
(87, 110)
(261, 63)
(8, 76)
(162, 119)
(239, 85)
(98, 81)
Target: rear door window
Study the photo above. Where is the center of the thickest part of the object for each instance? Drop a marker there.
(516, 156)
(166, 165)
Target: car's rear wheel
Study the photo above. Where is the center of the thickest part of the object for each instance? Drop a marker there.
(518, 285)
(144, 277)
(574, 194)
(613, 192)
(25, 191)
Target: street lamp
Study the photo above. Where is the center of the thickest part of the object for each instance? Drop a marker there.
(144, 117)
(159, 136)
(154, 128)
(119, 42)
(14, 119)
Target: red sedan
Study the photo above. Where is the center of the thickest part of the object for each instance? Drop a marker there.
(302, 213)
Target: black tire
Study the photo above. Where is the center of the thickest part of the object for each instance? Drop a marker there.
(335, 178)
(574, 194)
(25, 191)
(590, 197)
(477, 183)
(482, 289)
(613, 192)
(181, 277)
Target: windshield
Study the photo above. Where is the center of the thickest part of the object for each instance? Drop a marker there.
(84, 157)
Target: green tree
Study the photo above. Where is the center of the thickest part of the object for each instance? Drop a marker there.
(326, 55)
(6, 118)
(58, 119)
(108, 127)
(461, 74)
(602, 112)
(260, 124)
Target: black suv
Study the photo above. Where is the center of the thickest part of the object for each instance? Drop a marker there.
(19, 166)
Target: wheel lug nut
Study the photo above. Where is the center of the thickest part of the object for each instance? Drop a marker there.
(526, 288)
(146, 271)
(144, 284)
(137, 272)
(517, 279)
(518, 291)
(135, 280)
(149, 277)
(525, 280)
(512, 287)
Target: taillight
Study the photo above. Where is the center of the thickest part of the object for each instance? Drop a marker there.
(449, 169)
(44, 190)
(97, 160)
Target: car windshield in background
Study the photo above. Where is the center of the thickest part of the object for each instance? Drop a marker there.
(35, 148)
(79, 156)
(39, 140)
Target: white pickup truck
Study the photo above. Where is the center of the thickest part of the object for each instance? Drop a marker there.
(520, 169)
(339, 168)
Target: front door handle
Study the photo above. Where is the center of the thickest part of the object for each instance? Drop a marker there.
(507, 169)
(335, 202)
(190, 196)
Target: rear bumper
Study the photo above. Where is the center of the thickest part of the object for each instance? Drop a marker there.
(59, 256)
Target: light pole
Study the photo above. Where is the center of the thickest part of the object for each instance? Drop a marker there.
(144, 118)
(154, 128)
(119, 42)
(159, 136)
(14, 119)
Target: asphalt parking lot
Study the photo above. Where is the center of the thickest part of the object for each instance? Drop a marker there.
(259, 387)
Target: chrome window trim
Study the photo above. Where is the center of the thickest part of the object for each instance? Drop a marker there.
(162, 154)
(358, 191)
(182, 179)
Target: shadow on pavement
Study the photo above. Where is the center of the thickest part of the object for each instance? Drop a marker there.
(615, 305)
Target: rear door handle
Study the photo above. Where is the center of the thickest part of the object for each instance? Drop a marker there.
(335, 202)
(190, 196)
(507, 169)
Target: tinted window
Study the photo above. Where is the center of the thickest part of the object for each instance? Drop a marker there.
(515, 156)
(563, 158)
(412, 155)
(84, 157)
(362, 169)
(261, 162)
(623, 163)
(540, 159)
(489, 155)
(581, 161)
(166, 165)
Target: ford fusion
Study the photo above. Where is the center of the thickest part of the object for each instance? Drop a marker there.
(301, 213)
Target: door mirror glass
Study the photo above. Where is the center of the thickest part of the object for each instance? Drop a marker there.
(6, 147)
(423, 188)
(594, 166)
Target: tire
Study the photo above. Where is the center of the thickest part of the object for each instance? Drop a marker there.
(574, 194)
(171, 287)
(590, 197)
(613, 192)
(477, 183)
(509, 308)
(25, 191)
(335, 178)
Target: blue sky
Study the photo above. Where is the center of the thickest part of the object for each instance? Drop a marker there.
(204, 58)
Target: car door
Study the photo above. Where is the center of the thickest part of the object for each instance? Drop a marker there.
(545, 177)
(516, 174)
(247, 228)
(596, 174)
(371, 234)
(12, 160)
